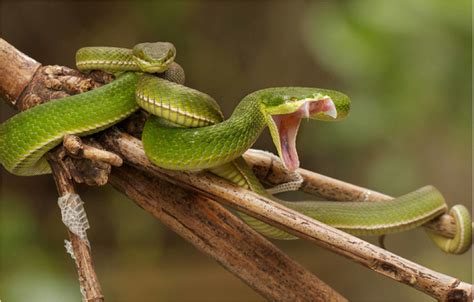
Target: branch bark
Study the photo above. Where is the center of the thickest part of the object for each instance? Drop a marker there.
(216, 232)
(272, 172)
(88, 281)
(437, 285)
(199, 220)
(17, 72)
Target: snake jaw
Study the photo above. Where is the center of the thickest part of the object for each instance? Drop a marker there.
(285, 127)
(324, 106)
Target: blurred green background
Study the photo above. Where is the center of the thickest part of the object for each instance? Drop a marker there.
(405, 64)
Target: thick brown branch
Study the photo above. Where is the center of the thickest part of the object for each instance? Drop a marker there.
(16, 72)
(216, 232)
(437, 285)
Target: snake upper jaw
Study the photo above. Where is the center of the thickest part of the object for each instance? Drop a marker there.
(284, 127)
(156, 67)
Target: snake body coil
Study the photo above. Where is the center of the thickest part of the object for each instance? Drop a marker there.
(27, 136)
(188, 132)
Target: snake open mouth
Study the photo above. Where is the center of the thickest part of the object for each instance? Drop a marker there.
(288, 125)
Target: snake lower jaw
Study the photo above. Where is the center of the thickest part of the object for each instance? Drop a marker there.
(287, 126)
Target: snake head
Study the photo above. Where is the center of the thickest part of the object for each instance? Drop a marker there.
(283, 113)
(154, 57)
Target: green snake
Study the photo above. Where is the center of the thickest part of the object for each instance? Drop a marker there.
(187, 131)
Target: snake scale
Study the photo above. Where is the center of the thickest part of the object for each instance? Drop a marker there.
(187, 131)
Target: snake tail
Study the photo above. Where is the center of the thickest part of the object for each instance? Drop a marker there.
(462, 239)
(372, 218)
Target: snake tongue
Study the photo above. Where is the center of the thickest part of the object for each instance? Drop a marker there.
(288, 125)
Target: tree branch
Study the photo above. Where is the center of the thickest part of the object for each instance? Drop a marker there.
(271, 171)
(437, 285)
(81, 252)
(199, 220)
(17, 72)
(216, 232)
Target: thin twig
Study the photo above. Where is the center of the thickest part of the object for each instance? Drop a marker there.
(77, 148)
(272, 172)
(437, 285)
(81, 252)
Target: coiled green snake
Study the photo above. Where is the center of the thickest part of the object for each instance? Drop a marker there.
(187, 132)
